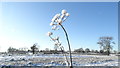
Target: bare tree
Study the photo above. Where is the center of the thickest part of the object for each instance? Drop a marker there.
(11, 49)
(34, 48)
(105, 44)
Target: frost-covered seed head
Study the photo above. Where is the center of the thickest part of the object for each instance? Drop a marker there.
(62, 16)
(49, 33)
(54, 27)
(58, 15)
(51, 24)
(67, 14)
(59, 21)
(55, 17)
(56, 20)
(63, 11)
(53, 20)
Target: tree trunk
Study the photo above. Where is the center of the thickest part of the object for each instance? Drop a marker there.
(33, 51)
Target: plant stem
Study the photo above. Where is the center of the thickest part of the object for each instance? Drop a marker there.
(64, 55)
(68, 44)
(61, 50)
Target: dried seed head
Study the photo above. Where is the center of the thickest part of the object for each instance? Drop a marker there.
(59, 21)
(54, 27)
(63, 12)
(67, 14)
(62, 16)
(51, 24)
(49, 33)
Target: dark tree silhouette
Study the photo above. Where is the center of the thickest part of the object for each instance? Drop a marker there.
(87, 50)
(11, 49)
(101, 51)
(96, 51)
(80, 50)
(34, 48)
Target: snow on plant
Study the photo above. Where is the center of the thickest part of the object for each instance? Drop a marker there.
(57, 21)
(58, 44)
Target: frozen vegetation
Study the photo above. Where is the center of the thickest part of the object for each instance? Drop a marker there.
(57, 60)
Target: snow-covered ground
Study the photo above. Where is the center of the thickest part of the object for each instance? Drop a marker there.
(57, 60)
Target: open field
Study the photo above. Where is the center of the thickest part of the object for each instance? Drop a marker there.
(57, 60)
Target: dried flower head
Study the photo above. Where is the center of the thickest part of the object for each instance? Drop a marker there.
(49, 33)
(63, 11)
(62, 16)
(55, 17)
(53, 20)
(67, 14)
(56, 22)
(54, 27)
(58, 15)
(59, 21)
(51, 24)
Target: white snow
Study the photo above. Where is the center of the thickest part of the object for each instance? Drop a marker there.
(57, 60)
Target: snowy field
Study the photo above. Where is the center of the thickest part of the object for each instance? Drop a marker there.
(57, 60)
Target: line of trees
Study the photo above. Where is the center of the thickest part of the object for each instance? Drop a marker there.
(34, 49)
(106, 46)
(20, 50)
(87, 50)
(105, 43)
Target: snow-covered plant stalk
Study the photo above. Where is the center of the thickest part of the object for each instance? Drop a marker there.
(57, 21)
(58, 44)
